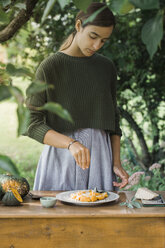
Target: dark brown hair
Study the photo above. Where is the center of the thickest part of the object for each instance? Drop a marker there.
(104, 19)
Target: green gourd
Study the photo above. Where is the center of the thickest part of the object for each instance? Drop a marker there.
(19, 183)
(11, 199)
(1, 192)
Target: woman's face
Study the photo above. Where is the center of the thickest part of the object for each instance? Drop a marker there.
(91, 38)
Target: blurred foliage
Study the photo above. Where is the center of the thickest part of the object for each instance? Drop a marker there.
(153, 180)
(137, 48)
(7, 164)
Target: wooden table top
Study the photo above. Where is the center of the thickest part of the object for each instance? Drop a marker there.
(33, 209)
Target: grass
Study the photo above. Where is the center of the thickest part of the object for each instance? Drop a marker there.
(25, 152)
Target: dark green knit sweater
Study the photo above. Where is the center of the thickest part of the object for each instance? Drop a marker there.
(85, 86)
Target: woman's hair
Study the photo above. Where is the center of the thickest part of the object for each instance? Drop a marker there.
(104, 19)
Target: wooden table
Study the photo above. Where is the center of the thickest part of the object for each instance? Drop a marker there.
(69, 226)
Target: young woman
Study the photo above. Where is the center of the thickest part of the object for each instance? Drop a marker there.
(84, 154)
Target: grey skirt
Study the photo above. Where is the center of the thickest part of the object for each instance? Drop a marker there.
(57, 169)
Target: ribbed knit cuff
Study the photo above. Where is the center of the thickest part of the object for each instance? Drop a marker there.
(119, 133)
(38, 133)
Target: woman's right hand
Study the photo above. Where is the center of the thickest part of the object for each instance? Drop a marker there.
(81, 155)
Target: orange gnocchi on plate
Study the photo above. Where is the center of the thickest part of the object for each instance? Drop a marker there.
(88, 196)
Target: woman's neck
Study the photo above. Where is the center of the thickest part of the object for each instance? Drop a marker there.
(73, 50)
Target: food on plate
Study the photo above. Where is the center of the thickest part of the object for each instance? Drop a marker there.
(88, 196)
(145, 194)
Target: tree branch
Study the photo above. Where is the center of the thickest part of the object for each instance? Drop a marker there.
(22, 17)
(138, 131)
(136, 154)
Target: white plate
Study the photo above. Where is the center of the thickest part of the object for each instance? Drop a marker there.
(65, 197)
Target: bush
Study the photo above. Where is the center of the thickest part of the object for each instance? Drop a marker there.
(153, 178)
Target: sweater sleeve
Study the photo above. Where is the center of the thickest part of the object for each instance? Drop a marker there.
(113, 91)
(37, 127)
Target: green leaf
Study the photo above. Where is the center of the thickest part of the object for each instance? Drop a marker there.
(129, 205)
(6, 2)
(7, 164)
(133, 198)
(23, 72)
(3, 17)
(47, 10)
(152, 33)
(121, 6)
(36, 87)
(17, 93)
(93, 16)
(82, 5)
(56, 108)
(20, 5)
(4, 92)
(145, 4)
(123, 204)
(10, 68)
(23, 115)
(136, 204)
(13, 71)
(63, 3)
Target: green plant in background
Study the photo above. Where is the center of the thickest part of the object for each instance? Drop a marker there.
(152, 30)
(7, 164)
(153, 178)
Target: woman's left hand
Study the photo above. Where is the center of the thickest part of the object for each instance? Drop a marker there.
(120, 172)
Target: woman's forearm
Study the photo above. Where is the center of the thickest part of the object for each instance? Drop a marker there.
(117, 167)
(115, 144)
(56, 139)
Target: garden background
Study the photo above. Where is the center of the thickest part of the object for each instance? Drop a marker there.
(32, 30)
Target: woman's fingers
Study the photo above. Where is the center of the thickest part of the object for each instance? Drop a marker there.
(81, 155)
(119, 171)
(84, 160)
(122, 184)
(88, 158)
(76, 158)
